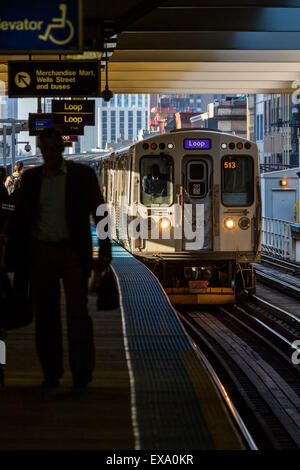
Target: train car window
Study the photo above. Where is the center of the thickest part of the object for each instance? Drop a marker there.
(156, 180)
(197, 179)
(237, 180)
(196, 171)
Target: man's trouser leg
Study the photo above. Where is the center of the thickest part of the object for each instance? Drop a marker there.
(80, 328)
(46, 302)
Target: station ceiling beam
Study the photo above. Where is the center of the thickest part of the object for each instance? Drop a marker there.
(210, 47)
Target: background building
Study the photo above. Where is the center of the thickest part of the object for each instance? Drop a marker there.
(231, 115)
(169, 112)
(163, 109)
(118, 121)
(275, 123)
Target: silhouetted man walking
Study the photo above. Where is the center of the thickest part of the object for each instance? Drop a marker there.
(53, 216)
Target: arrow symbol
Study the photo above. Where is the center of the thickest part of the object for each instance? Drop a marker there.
(22, 78)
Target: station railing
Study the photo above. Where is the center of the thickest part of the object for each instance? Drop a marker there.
(276, 237)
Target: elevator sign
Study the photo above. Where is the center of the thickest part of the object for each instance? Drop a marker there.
(33, 26)
(46, 78)
(80, 112)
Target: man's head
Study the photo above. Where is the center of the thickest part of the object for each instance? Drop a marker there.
(52, 146)
(19, 167)
(155, 171)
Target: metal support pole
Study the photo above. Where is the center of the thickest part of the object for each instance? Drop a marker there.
(4, 147)
(39, 110)
(13, 147)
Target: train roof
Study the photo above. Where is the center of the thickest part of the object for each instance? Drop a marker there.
(38, 159)
(114, 153)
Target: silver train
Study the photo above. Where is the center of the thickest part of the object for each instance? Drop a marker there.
(188, 205)
(194, 196)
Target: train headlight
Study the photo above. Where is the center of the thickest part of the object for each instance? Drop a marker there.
(244, 223)
(229, 223)
(164, 224)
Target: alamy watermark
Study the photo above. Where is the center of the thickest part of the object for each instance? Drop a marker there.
(2, 353)
(296, 93)
(153, 222)
(296, 354)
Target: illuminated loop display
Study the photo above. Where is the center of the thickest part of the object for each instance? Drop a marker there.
(197, 144)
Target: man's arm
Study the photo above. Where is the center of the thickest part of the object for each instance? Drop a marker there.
(146, 184)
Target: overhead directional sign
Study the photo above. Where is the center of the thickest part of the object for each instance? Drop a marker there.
(70, 138)
(40, 121)
(74, 112)
(45, 78)
(33, 26)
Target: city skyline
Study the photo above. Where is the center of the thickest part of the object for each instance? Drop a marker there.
(271, 123)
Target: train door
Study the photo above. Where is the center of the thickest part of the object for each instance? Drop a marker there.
(197, 215)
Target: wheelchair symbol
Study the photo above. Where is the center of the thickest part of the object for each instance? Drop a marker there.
(59, 23)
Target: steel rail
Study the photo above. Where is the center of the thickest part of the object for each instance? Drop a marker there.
(222, 390)
(281, 264)
(278, 284)
(278, 312)
(241, 381)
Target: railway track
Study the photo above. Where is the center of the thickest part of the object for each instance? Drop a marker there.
(251, 355)
(278, 283)
(279, 274)
(281, 264)
(282, 321)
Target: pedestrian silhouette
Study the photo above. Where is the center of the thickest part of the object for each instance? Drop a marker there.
(52, 218)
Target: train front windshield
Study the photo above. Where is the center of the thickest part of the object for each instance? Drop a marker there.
(237, 180)
(156, 180)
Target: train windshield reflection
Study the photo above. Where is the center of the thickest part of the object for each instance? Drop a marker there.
(237, 180)
(157, 180)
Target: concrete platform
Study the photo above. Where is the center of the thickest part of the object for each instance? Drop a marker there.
(96, 418)
(150, 391)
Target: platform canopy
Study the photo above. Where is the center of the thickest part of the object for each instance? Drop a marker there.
(194, 46)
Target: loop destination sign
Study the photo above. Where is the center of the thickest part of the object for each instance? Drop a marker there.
(81, 112)
(32, 79)
(33, 26)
